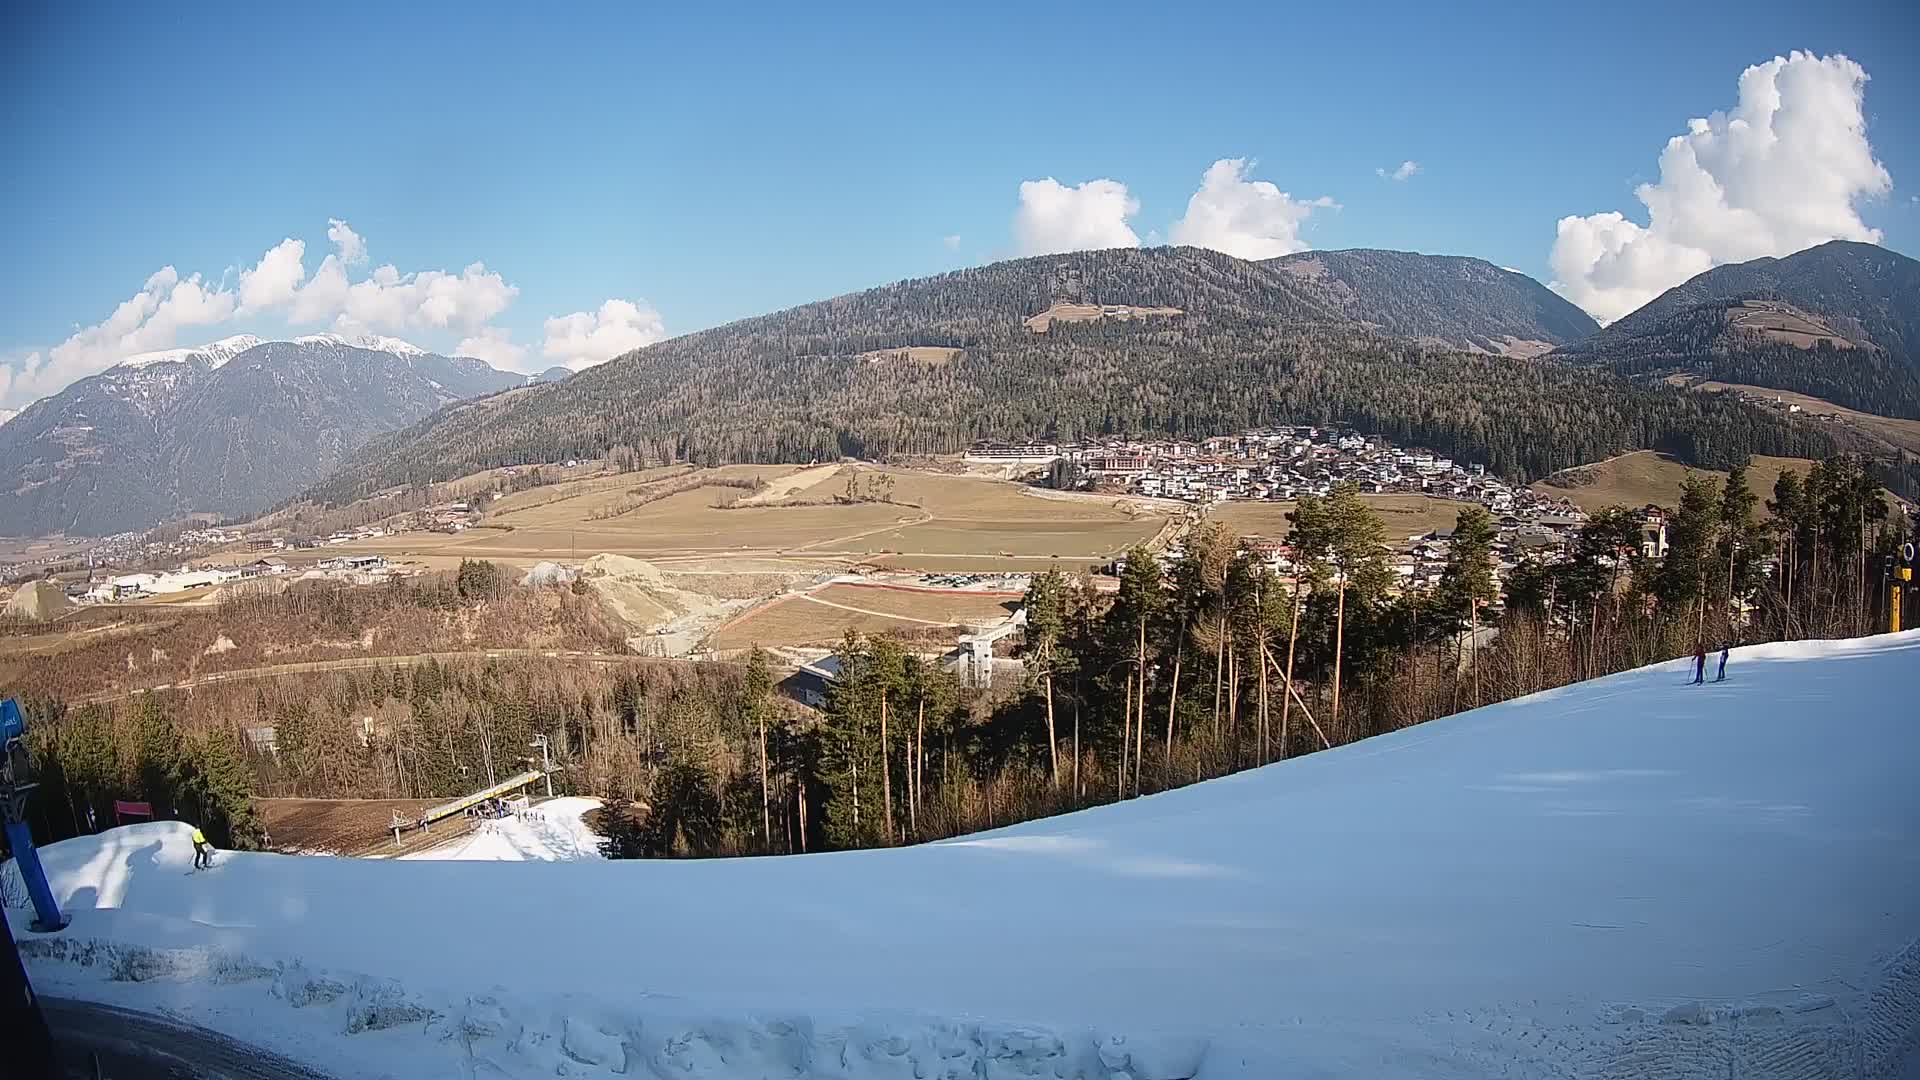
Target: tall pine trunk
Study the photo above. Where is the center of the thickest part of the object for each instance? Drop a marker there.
(919, 764)
(1233, 702)
(1293, 637)
(886, 773)
(1473, 644)
(1126, 733)
(1262, 662)
(1339, 646)
(1053, 740)
(1219, 670)
(766, 799)
(1173, 702)
(1079, 790)
(1140, 719)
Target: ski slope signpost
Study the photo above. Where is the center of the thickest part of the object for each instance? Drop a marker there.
(16, 781)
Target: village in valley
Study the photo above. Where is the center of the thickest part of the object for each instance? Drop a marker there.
(1247, 481)
(1282, 464)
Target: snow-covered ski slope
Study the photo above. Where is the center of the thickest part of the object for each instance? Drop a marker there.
(1628, 878)
(552, 832)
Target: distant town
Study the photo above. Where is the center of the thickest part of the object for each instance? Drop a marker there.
(1268, 465)
(1282, 464)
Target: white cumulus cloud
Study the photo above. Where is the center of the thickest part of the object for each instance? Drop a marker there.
(586, 338)
(1779, 173)
(1402, 171)
(1248, 219)
(171, 309)
(352, 246)
(494, 345)
(276, 278)
(1054, 217)
(951, 241)
(150, 319)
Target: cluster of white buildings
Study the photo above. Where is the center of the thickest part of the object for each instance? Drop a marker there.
(353, 569)
(1286, 463)
(132, 586)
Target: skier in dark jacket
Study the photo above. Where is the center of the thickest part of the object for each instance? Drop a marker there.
(1700, 663)
(1724, 649)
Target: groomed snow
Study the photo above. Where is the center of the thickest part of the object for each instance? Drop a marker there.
(550, 832)
(1628, 878)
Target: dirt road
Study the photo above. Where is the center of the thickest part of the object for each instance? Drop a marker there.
(349, 663)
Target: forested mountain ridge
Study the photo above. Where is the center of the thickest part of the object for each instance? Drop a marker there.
(228, 429)
(1449, 300)
(1840, 321)
(1251, 343)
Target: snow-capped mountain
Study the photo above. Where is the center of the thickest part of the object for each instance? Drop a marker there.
(375, 342)
(230, 427)
(208, 356)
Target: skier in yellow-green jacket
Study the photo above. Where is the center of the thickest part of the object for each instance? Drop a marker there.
(202, 851)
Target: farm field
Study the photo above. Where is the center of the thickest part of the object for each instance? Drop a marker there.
(823, 616)
(984, 564)
(1898, 432)
(1027, 538)
(1404, 515)
(931, 514)
(800, 622)
(1645, 476)
(940, 606)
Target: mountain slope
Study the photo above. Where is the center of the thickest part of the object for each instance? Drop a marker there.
(1840, 321)
(228, 428)
(1448, 300)
(1629, 877)
(1179, 340)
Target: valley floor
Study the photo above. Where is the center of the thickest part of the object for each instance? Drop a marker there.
(1626, 877)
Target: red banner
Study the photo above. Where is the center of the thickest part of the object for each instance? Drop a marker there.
(125, 810)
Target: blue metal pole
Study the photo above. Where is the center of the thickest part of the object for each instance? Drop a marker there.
(28, 859)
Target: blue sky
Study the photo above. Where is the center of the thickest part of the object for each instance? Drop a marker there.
(726, 161)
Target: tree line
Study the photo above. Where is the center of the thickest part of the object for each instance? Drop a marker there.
(1180, 670)
(1215, 662)
(1254, 344)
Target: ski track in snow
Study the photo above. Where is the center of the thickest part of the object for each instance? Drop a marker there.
(1630, 878)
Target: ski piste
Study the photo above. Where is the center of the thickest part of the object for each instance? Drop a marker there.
(1608, 879)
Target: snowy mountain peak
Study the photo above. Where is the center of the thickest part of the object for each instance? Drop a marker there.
(376, 342)
(214, 353)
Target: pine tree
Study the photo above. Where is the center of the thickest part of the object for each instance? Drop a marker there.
(157, 761)
(1136, 607)
(1682, 579)
(1344, 545)
(222, 787)
(621, 835)
(756, 695)
(1740, 544)
(1046, 608)
(1468, 580)
(683, 813)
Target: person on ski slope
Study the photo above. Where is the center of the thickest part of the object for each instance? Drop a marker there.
(1724, 649)
(1700, 663)
(202, 851)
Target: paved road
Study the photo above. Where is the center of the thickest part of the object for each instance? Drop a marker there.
(142, 1046)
